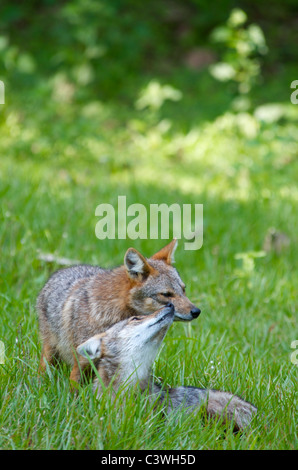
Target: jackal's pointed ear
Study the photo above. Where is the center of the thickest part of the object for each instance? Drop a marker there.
(91, 348)
(136, 265)
(166, 254)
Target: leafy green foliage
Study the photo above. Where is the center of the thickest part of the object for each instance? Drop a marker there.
(243, 46)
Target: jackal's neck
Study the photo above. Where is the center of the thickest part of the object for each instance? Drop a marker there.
(114, 287)
(121, 378)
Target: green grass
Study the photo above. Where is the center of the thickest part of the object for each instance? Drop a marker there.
(59, 160)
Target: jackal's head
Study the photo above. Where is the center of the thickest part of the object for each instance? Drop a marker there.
(155, 282)
(126, 351)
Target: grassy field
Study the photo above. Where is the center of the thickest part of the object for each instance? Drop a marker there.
(60, 158)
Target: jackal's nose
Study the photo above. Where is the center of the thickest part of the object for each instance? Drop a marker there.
(195, 312)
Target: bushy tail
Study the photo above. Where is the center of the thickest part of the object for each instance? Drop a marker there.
(221, 405)
(230, 408)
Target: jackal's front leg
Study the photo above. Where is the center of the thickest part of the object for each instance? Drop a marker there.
(80, 365)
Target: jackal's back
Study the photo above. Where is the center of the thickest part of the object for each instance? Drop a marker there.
(54, 322)
(52, 297)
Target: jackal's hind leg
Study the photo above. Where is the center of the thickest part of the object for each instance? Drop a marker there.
(47, 356)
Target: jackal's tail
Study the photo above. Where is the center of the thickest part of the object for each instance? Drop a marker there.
(230, 408)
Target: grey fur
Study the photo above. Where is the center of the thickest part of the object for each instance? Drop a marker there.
(218, 404)
(57, 289)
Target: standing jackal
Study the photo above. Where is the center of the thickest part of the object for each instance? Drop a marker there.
(81, 301)
(125, 353)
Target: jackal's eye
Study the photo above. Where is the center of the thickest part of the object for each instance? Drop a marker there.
(167, 294)
(136, 318)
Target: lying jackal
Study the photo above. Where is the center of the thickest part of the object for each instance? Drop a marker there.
(125, 353)
(80, 301)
